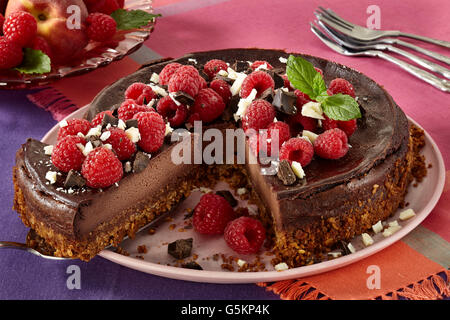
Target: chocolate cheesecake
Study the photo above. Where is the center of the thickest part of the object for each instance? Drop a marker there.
(334, 202)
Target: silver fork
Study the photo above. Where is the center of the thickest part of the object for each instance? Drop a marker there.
(439, 83)
(351, 30)
(369, 34)
(25, 247)
(343, 40)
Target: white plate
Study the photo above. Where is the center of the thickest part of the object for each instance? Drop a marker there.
(422, 199)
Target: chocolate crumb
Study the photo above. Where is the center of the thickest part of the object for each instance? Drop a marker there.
(228, 196)
(74, 179)
(180, 249)
(142, 249)
(140, 162)
(192, 265)
(108, 119)
(285, 173)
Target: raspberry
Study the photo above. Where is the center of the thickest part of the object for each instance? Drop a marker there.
(2, 21)
(152, 129)
(245, 235)
(20, 27)
(167, 72)
(103, 6)
(101, 27)
(186, 79)
(121, 144)
(212, 214)
(332, 144)
(208, 104)
(212, 67)
(287, 83)
(349, 127)
(259, 63)
(203, 83)
(276, 129)
(259, 115)
(40, 43)
(176, 115)
(11, 55)
(302, 98)
(73, 127)
(259, 80)
(129, 108)
(140, 92)
(222, 88)
(297, 149)
(194, 117)
(101, 168)
(67, 155)
(340, 85)
(98, 119)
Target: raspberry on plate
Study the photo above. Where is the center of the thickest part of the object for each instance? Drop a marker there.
(208, 104)
(175, 114)
(245, 235)
(186, 79)
(98, 119)
(101, 168)
(101, 27)
(40, 43)
(212, 67)
(222, 88)
(121, 144)
(20, 27)
(340, 85)
(11, 55)
(129, 108)
(140, 92)
(73, 127)
(297, 149)
(256, 64)
(349, 127)
(302, 99)
(167, 72)
(259, 115)
(212, 214)
(332, 144)
(152, 129)
(2, 21)
(259, 80)
(67, 155)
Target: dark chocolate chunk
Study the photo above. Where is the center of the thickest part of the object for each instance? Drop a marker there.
(96, 142)
(344, 248)
(131, 123)
(226, 79)
(285, 173)
(228, 196)
(74, 180)
(180, 249)
(140, 162)
(108, 119)
(192, 265)
(184, 98)
(203, 74)
(279, 81)
(114, 109)
(240, 66)
(284, 102)
(267, 95)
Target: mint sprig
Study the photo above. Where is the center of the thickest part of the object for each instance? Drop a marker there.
(304, 77)
(34, 62)
(132, 19)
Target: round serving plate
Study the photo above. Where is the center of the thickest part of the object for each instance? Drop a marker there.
(96, 55)
(208, 250)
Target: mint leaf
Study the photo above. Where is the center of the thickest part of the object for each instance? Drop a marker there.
(34, 61)
(341, 107)
(132, 19)
(304, 77)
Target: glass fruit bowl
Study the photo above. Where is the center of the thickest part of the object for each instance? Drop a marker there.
(96, 55)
